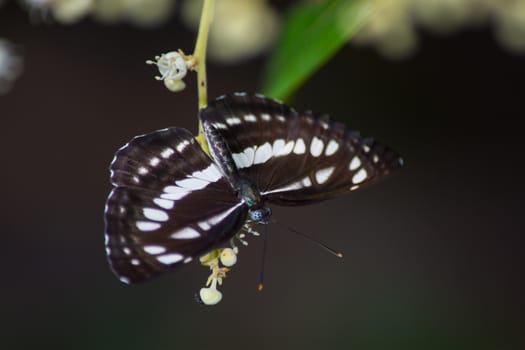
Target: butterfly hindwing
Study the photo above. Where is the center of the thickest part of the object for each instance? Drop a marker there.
(170, 204)
(295, 158)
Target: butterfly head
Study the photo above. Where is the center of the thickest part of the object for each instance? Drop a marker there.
(261, 214)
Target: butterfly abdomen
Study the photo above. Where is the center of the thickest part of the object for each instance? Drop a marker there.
(220, 152)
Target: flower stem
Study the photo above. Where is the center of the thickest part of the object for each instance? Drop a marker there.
(200, 50)
(199, 55)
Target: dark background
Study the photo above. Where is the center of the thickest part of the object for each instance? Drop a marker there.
(433, 255)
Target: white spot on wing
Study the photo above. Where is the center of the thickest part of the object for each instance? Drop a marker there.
(233, 121)
(164, 203)
(332, 147)
(266, 117)
(360, 176)
(300, 147)
(316, 147)
(214, 220)
(281, 118)
(154, 161)
(135, 262)
(204, 225)
(321, 176)
(185, 233)
(307, 182)
(154, 249)
(181, 146)
(286, 150)
(174, 192)
(170, 258)
(250, 118)
(220, 125)
(291, 187)
(175, 189)
(277, 146)
(192, 184)
(147, 225)
(263, 153)
(167, 152)
(355, 163)
(188, 259)
(124, 279)
(155, 214)
(143, 170)
(244, 159)
(210, 174)
(126, 250)
(241, 161)
(174, 196)
(250, 154)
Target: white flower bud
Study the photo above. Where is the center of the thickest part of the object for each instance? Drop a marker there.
(210, 296)
(228, 257)
(174, 85)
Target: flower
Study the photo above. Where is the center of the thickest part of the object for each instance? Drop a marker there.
(173, 67)
(210, 296)
(70, 11)
(392, 27)
(10, 65)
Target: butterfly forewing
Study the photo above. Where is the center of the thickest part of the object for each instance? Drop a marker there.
(170, 204)
(295, 158)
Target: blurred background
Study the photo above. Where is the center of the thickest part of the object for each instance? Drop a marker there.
(433, 254)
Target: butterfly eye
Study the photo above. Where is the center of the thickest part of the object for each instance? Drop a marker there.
(261, 215)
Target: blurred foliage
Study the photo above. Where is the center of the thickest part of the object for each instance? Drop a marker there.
(240, 29)
(312, 33)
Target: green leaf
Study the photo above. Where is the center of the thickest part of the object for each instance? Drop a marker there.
(312, 33)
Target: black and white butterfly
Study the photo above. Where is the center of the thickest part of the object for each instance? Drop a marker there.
(171, 202)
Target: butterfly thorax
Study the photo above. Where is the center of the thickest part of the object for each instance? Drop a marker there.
(252, 197)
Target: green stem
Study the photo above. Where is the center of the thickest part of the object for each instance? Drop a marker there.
(200, 50)
(199, 54)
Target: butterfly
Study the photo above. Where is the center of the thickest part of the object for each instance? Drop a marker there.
(171, 202)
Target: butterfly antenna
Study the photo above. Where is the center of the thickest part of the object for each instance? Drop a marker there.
(263, 260)
(311, 239)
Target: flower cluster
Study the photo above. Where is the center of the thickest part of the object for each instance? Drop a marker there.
(241, 29)
(10, 65)
(392, 27)
(227, 257)
(220, 262)
(144, 13)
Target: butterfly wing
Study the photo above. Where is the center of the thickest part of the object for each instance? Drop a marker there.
(295, 158)
(170, 203)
